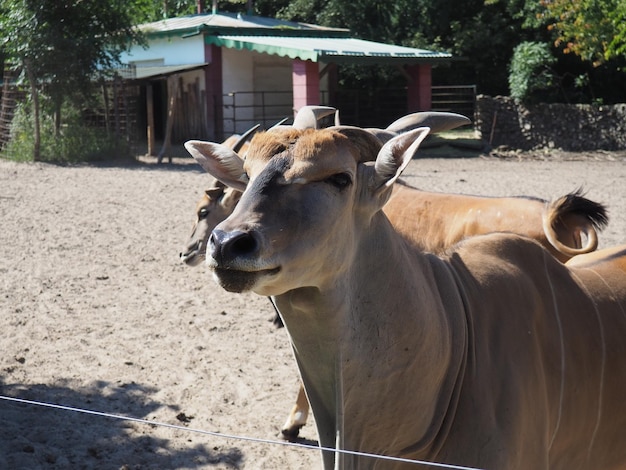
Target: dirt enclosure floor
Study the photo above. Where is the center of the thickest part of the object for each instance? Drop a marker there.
(98, 313)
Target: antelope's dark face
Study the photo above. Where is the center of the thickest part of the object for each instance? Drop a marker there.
(217, 204)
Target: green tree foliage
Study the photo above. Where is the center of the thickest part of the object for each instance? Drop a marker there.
(64, 45)
(595, 30)
(78, 142)
(154, 10)
(531, 70)
(68, 43)
(617, 45)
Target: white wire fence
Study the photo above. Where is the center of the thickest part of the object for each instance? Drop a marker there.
(304, 447)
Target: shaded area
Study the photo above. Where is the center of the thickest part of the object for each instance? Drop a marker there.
(453, 144)
(65, 439)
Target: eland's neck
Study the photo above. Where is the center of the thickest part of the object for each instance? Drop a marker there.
(378, 350)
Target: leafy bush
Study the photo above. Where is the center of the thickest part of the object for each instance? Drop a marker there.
(76, 142)
(530, 70)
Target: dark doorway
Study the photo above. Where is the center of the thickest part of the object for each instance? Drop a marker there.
(159, 97)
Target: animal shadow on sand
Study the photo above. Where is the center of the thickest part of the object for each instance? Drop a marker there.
(34, 436)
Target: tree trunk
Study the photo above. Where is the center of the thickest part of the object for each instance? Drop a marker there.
(35, 96)
(57, 119)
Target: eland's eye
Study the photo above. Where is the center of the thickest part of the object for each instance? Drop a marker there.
(203, 213)
(339, 180)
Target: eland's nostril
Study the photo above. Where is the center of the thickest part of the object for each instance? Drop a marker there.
(244, 243)
(226, 246)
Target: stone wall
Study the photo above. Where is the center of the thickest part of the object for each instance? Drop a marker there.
(572, 127)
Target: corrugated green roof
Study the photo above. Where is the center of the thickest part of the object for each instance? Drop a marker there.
(323, 49)
(289, 39)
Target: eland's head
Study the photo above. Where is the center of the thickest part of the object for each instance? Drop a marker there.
(304, 194)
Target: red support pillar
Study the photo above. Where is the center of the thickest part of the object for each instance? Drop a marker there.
(419, 96)
(306, 83)
(214, 92)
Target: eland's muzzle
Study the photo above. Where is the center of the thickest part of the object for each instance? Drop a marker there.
(226, 247)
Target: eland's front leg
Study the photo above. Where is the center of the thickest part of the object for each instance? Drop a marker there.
(297, 417)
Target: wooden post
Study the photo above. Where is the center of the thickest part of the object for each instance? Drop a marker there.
(107, 115)
(116, 109)
(150, 120)
(32, 80)
(332, 74)
(172, 91)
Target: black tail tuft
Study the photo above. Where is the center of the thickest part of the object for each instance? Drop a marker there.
(576, 203)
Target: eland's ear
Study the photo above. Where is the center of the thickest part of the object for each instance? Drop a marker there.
(367, 143)
(220, 161)
(215, 193)
(395, 156)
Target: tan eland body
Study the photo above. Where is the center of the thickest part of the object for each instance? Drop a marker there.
(495, 356)
(433, 221)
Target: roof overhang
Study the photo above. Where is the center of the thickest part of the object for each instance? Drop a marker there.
(329, 49)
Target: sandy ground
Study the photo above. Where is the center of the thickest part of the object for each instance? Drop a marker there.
(97, 312)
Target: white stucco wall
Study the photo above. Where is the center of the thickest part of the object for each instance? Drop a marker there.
(271, 72)
(173, 51)
(236, 70)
